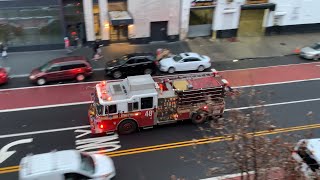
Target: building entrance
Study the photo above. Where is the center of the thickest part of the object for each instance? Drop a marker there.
(119, 33)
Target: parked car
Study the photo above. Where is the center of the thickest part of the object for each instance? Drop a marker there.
(132, 64)
(311, 52)
(66, 165)
(64, 68)
(4, 77)
(185, 62)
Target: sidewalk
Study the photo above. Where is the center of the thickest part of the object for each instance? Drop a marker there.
(21, 63)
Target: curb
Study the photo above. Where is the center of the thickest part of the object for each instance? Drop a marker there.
(260, 57)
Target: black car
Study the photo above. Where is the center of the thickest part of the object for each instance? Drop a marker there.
(132, 64)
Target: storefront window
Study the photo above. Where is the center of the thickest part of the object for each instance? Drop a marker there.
(200, 16)
(30, 25)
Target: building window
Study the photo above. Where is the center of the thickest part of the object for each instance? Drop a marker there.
(30, 23)
(201, 16)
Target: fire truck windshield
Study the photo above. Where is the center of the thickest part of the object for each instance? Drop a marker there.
(99, 108)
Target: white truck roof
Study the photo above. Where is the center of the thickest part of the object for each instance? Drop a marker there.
(127, 88)
(62, 161)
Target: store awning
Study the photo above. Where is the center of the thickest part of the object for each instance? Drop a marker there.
(120, 18)
(270, 6)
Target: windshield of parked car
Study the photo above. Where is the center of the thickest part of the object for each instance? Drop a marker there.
(87, 163)
(316, 46)
(122, 60)
(45, 67)
(177, 58)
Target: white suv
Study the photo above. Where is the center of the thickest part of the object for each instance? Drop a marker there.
(66, 165)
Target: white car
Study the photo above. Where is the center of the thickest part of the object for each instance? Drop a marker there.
(307, 154)
(67, 164)
(185, 62)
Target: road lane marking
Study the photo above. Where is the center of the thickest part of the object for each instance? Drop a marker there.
(274, 104)
(44, 107)
(269, 67)
(43, 131)
(277, 83)
(10, 169)
(88, 102)
(87, 126)
(5, 154)
(205, 141)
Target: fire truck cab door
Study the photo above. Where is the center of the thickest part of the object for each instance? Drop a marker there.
(147, 111)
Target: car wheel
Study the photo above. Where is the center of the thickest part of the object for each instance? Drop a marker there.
(171, 70)
(127, 127)
(117, 74)
(316, 57)
(41, 81)
(200, 68)
(148, 71)
(80, 77)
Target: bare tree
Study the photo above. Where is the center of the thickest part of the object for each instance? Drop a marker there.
(251, 146)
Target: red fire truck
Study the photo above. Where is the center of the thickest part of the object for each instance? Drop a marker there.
(144, 101)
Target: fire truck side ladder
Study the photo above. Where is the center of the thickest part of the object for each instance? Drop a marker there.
(184, 76)
(187, 97)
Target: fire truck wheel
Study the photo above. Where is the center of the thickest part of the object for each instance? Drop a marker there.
(171, 70)
(198, 118)
(127, 127)
(117, 74)
(80, 77)
(41, 81)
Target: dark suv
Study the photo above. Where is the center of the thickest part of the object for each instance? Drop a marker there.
(132, 64)
(64, 68)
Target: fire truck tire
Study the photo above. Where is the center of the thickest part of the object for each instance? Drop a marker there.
(41, 81)
(127, 127)
(171, 70)
(117, 74)
(198, 118)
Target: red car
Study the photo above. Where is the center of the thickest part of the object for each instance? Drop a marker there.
(65, 68)
(3, 76)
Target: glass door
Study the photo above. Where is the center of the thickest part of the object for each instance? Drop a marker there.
(119, 33)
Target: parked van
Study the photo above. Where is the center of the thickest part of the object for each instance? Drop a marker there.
(66, 165)
(307, 153)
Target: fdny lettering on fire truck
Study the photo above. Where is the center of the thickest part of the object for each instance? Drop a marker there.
(143, 101)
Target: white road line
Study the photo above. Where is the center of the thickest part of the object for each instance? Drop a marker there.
(274, 104)
(31, 87)
(229, 176)
(43, 131)
(87, 102)
(277, 83)
(269, 67)
(80, 127)
(43, 107)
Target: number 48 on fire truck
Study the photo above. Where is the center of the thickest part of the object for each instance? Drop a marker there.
(143, 101)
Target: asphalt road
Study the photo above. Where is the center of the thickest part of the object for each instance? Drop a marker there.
(159, 164)
(62, 128)
(220, 66)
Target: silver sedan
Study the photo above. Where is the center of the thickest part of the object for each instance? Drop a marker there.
(311, 52)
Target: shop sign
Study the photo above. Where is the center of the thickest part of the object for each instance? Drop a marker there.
(256, 1)
(196, 3)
